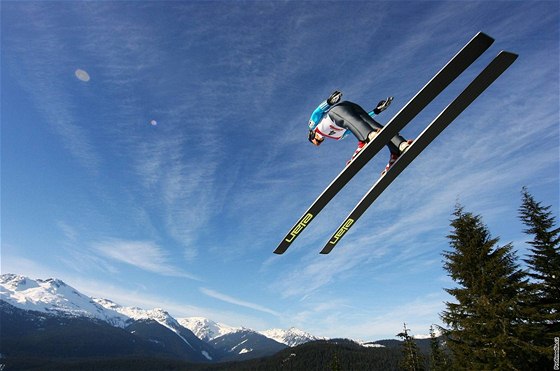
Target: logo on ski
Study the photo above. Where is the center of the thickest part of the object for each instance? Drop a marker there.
(341, 231)
(299, 227)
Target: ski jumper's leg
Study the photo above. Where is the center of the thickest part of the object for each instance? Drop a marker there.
(353, 117)
(358, 150)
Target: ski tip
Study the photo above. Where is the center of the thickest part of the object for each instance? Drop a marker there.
(506, 59)
(510, 55)
(484, 37)
(327, 249)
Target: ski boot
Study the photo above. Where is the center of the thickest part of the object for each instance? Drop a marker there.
(371, 136)
(361, 144)
(394, 157)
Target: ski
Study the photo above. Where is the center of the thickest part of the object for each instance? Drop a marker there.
(498, 65)
(460, 62)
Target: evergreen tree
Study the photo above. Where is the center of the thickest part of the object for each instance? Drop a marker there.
(412, 360)
(543, 296)
(484, 321)
(439, 361)
(335, 364)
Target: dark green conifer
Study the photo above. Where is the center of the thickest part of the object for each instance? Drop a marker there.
(412, 359)
(335, 364)
(439, 360)
(484, 320)
(542, 303)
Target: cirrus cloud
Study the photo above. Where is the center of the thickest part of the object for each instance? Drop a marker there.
(145, 255)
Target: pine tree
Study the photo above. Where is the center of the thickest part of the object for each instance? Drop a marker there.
(335, 364)
(412, 360)
(439, 361)
(543, 296)
(484, 321)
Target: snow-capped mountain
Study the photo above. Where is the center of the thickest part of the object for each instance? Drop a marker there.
(291, 337)
(209, 330)
(158, 315)
(241, 341)
(54, 296)
(200, 337)
(245, 344)
(205, 328)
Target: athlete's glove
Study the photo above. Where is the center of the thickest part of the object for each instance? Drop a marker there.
(382, 106)
(334, 98)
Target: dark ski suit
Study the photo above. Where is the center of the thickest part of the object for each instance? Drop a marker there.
(347, 116)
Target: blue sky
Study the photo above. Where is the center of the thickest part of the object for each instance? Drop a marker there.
(185, 214)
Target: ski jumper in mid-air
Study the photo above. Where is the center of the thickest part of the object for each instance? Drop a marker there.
(335, 119)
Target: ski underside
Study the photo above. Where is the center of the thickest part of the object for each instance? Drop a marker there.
(460, 62)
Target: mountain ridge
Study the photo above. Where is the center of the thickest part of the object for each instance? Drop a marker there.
(55, 297)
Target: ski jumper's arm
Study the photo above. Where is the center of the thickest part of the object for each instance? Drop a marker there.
(318, 114)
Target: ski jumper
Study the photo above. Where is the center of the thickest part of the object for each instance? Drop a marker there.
(338, 120)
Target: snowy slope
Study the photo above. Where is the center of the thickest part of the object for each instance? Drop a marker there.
(54, 296)
(205, 328)
(246, 344)
(208, 330)
(290, 337)
(157, 314)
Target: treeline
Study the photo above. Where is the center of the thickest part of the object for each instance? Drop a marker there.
(318, 355)
(503, 317)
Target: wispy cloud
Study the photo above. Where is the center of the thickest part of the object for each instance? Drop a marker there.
(12, 262)
(419, 313)
(148, 299)
(177, 185)
(175, 174)
(369, 320)
(144, 255)
(29, 57)
(70, 233)
(231, 300)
